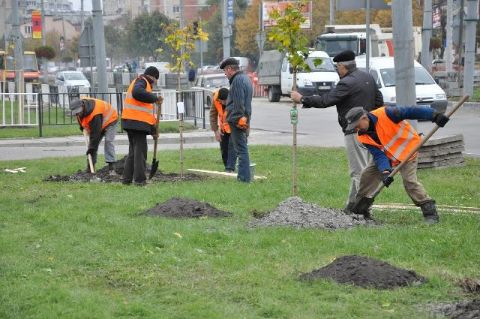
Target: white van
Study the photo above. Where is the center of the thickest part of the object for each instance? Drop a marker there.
(427, 91)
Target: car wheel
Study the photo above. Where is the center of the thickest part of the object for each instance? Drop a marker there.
(273, 95)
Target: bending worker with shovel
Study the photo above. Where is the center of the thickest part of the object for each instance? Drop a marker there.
(391, 141)
(98, 118)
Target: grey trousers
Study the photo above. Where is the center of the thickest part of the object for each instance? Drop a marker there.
(372, 177)
(110, 132)
(358, 157)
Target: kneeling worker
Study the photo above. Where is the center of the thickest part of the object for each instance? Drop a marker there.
(99, 119)
(390, 139)
(219, 125)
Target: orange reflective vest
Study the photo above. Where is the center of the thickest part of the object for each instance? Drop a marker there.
(136, 110)
(109, 114)
(397, 139)
(222, 115)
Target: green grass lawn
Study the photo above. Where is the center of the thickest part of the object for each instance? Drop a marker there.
(77, 250)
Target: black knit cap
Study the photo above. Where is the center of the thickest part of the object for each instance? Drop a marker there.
(152, 71)
(344, 56)
(223, 94)
(229, 61)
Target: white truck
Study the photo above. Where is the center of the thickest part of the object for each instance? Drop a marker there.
(274, 71)
(341, 37)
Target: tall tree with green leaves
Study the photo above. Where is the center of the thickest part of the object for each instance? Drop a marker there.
(289, 38)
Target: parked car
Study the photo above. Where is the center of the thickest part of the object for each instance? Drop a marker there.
(427, 91)
(209, 83)
(72, 79)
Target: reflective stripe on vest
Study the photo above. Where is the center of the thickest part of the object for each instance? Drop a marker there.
(136, 110)
(222, 114)
(109, 114)
(397, 139)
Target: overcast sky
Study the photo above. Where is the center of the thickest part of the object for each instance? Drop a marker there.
(87, 4)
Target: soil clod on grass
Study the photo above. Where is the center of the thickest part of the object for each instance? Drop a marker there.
(470, 285)
(461, 310)
(297, 213)
(186, 208)
(103, 175)
(365, 272)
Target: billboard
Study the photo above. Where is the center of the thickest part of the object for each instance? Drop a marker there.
(344, 5)
(36, 24)
(268, 6)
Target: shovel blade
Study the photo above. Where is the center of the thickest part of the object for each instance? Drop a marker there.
(362, 205)
(154, 168)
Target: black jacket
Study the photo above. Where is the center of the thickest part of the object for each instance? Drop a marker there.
(356, 88)
(140, 93)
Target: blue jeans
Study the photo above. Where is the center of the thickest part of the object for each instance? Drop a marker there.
(239, 140)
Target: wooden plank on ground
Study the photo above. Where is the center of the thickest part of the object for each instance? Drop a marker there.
(220, 174)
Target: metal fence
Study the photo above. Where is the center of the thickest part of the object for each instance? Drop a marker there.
(19, 109)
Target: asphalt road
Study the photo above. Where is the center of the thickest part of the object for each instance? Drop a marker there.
(319, 127)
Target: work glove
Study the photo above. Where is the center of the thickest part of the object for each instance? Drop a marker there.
(440, 119)
(243, 123)
(386, 179)
(90, 151)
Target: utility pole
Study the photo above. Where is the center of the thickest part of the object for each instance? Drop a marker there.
(448, 52)
(402, 26)
(99, 46)
(460, 32)
(16, 36)
(367, 25)
(426, 59)
(82, 17)
(332, 12)
(226, 31)
(470, 31)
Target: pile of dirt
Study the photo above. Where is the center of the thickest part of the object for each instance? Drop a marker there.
(186, 208)
(461, 310)
(297, 213)
(365, 272)
(103, 175)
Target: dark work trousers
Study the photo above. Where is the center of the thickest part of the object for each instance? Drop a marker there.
(135, 165)
(229, 156)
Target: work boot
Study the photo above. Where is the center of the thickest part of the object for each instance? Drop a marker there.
(111, 169)
(429, 210)
(348, 210)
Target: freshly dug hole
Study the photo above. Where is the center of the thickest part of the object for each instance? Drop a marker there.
(185, 208)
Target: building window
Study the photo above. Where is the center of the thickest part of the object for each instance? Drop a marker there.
(28, 29)
(176, 9)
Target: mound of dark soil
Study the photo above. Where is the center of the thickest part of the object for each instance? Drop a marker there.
(460, 310)
(365, 272)
(103, 175)
(185, 208)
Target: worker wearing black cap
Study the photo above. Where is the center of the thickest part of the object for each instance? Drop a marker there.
(239, 112)
(139, 119)
(355, 88)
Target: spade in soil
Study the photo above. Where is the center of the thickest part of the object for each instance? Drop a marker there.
(365, 272)
(185, 208)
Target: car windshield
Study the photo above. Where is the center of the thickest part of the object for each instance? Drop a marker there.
(74, 76)
(29, 63)
(325, 65)
(421, 77)
(216, 82)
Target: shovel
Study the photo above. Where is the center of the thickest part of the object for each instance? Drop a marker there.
(154, 168)
(89, 156)
(364, 203)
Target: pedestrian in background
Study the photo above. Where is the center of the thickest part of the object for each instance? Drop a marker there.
(98, 118)
(239, 113)
(139, 119)
(222, 130)
(355, 88)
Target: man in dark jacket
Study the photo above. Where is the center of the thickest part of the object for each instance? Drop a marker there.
(239, 112)
(355, 88)
(98, 119)
(138, 119)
